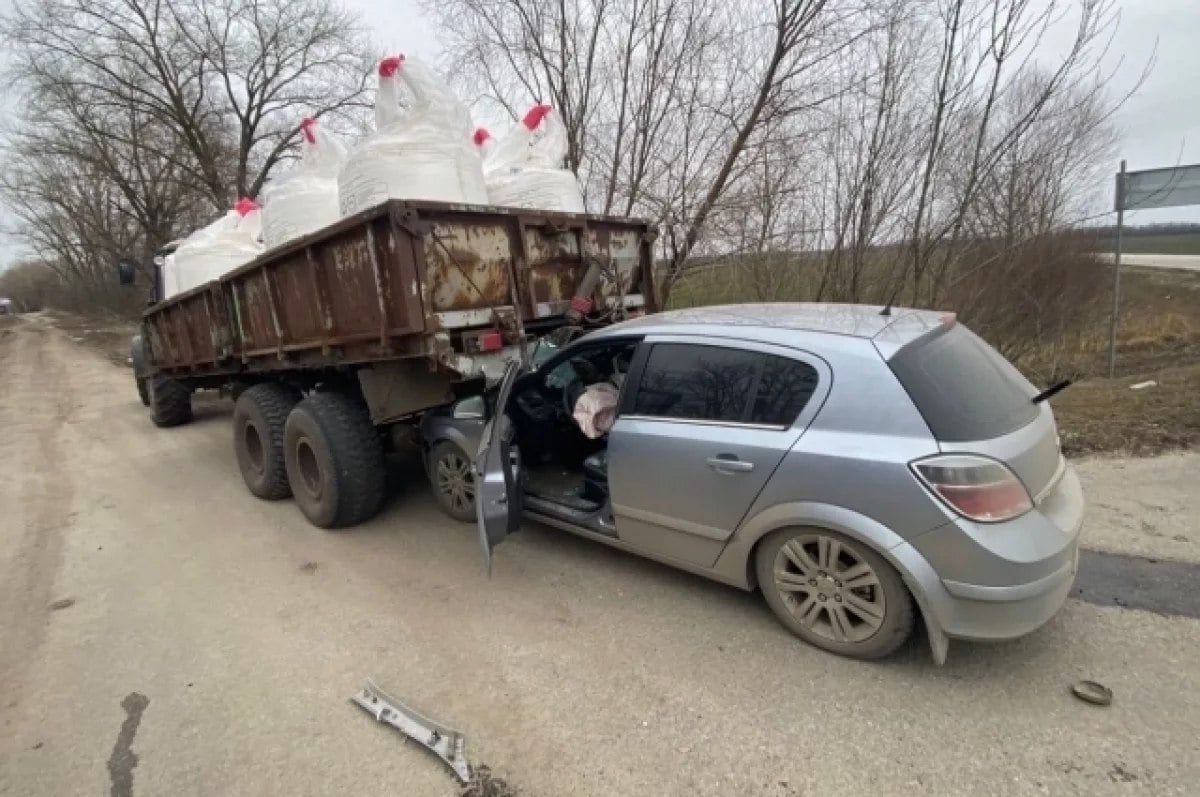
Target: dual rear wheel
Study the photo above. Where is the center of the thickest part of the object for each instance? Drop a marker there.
(322, 450)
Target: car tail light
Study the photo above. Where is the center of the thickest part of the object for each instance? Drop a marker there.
(975, 487)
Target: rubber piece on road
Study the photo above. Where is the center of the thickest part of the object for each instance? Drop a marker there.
(1092, 692)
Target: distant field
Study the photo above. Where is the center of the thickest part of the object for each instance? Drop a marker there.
(1179, 244)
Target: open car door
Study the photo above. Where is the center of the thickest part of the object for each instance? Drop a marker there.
(497, 476)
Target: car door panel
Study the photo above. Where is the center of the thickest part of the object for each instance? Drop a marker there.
(498, 489)
(668, 497)
(681, 487)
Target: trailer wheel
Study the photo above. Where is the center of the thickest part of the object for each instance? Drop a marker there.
(334, 460)
(143, 390)
(170, 402)
(258, 420)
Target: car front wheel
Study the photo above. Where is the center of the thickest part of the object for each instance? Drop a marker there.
(452, 477)
(834, 592)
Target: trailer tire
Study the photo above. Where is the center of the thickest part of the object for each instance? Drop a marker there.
(334, 460)
(143, 390)
(258, 420)
(170, 402)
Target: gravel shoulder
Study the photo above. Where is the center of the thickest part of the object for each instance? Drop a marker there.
(1144, 507)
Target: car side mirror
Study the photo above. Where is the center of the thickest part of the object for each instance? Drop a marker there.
(126, 271)
(472, 408)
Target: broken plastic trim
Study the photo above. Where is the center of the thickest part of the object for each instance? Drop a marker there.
(446, 743)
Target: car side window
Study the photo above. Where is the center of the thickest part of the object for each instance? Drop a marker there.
(784, 390)
(712, 383)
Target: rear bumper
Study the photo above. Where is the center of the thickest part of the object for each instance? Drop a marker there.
(1005, 615)
(998, 581)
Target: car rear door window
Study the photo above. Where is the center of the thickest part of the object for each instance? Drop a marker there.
(783, 391)
(964, 389)
(722, 385)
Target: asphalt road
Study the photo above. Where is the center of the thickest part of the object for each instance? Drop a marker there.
(1185, 262)
(163, 632)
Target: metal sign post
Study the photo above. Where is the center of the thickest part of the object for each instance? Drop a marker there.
(1172, 187)
(1116, 291)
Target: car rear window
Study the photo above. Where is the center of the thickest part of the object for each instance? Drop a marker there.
(719, 384)
(964, 389)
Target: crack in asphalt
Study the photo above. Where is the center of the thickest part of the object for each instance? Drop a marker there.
(123, 760)
(1164, 586)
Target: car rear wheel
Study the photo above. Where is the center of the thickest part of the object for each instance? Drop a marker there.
(143, 390)
(334, 460)
(452, 477)
(834, 592)
(258, 420)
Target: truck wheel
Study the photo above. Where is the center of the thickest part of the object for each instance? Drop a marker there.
(170, 402)
(258, 420)
(143, 390)
(334, 460)
(452, 477)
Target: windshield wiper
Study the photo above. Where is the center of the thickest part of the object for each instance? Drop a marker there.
(1050, 391)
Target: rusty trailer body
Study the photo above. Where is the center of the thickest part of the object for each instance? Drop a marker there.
(423, 293)
(333, 345)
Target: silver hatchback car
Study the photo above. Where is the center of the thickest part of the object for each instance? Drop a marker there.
(854, 466)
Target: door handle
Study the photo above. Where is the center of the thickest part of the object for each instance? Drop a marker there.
(728, 463)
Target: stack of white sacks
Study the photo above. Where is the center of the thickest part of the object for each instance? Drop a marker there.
(229, 242)
(525, 168)
(423, 149)
(306, 198)
(420, 152)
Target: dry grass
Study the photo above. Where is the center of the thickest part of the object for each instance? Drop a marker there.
(1106, 416)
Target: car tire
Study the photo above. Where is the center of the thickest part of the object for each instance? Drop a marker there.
(447, 462)
(170, 402)
(259, 416)
(334, 460)
(143, 390)
(834, 592)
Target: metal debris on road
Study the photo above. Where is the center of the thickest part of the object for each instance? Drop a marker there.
(446, 743)
(1143, 385)
(1092, 692)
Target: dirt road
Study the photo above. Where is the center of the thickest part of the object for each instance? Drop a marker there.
(207, 643)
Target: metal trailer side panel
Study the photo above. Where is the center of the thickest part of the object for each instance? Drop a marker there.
(397, 281)
(192, 331)
(355, 291)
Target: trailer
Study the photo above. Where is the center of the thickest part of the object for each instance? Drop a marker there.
(334, 345)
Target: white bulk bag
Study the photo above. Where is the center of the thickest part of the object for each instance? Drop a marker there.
(420, 152)
(306, 198)
(525, 170)
(210, 252)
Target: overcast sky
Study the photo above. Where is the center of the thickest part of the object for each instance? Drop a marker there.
(1159, 125)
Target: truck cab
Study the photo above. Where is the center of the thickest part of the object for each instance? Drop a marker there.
(127, 270)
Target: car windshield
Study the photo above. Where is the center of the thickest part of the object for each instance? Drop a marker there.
(964, 389)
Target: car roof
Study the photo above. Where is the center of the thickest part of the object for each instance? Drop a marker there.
(771, 321)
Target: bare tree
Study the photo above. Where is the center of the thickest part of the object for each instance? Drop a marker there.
(229, 78)
(140, 121)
